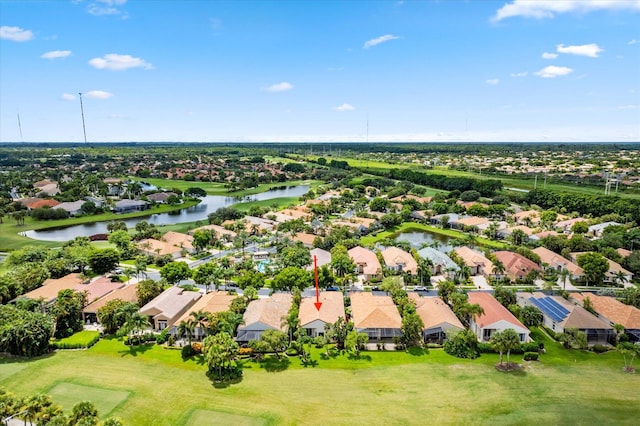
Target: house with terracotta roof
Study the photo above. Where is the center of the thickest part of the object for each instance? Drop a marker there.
(155, 247)
(558, 263)
(165, 309)
(559, 314)
(616, 274)
(470, 222)
(304, 238)
(375, 315)
(49, 290)
(43, 203)
(565, 225)
(437, 316)
(399, 260)
(127, 293)
(210, 303)
(220, 231)
(366, 261)
(476, 262)
(527, 217)
(516, 266)
(614, 311)
(178, 239)
(264, 314)
(51, 287)
(495, 318)
(314, 320)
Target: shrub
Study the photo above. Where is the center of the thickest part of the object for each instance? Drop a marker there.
(162, 337)
(187, 351)
(196, 347)
(486, 348)
(531, 356)
(599, 349)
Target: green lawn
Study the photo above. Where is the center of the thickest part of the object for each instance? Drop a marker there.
(153, 385)
(83, 337)
(68, 394)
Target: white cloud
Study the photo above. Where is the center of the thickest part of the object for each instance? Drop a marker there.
(106, 8)
(547, 55)
(98, 94)
(345, 107)
(279, 87)
(377, 41)
(629, 107)
(632, 42)
(520, 74)
(591, 50)
(115, 62)
(68, 97)
(552, 71)
(15, 33)
(541, 9)
(493, 81)
(55, 54)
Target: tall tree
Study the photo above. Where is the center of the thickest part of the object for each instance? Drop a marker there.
(220, 351)
(506, 340)
(174, 272)
(207, 274)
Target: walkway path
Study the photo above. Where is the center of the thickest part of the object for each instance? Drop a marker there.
(481, 282)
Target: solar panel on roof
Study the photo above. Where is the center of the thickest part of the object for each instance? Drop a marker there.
(556, 311)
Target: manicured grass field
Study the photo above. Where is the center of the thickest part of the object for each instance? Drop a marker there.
(211, 417)
(69, 394)
(80, 338)
(564, 387)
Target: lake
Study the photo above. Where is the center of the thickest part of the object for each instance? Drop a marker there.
(208, 205)
(418, 239)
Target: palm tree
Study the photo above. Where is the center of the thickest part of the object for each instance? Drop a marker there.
(187, 328)
(134, 325)
(620, 278)
(498, 268)
(619, 329)
(201, 318)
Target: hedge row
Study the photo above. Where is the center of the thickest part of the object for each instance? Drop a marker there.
(66, 345)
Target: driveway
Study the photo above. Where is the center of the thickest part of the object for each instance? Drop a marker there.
(481, 282)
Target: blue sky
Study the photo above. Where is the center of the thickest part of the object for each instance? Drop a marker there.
(317, 71)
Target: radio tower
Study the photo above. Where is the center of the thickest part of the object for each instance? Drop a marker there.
(84, 130)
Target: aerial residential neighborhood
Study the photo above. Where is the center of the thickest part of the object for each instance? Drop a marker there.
(315, 212)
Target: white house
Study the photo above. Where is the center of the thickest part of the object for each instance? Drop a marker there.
(314, 320)
(495, 318)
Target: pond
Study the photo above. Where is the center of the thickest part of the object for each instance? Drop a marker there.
(419, 239)
(208, 205)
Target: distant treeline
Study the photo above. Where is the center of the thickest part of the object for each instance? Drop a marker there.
(595, 205)
(486, 187)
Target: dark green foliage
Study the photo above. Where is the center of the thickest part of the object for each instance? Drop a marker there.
(531, 356)
(462, 345)
(24, 333)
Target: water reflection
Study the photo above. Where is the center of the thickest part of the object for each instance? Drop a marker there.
(209, 204)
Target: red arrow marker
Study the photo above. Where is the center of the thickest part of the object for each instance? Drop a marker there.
(318, 304)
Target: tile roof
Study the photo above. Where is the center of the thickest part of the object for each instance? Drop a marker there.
(269, 311)
(515, 264)
(371, 311)
(332, 308)
(434, 312)
(613, 310)
(178, 239)
(51, 287)
(493, 310)
(472, 258)
(216, 301)
(553, 260)
(366, 258)
(170, 303)
(323, 257)
(393, 257)
(128, 293)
